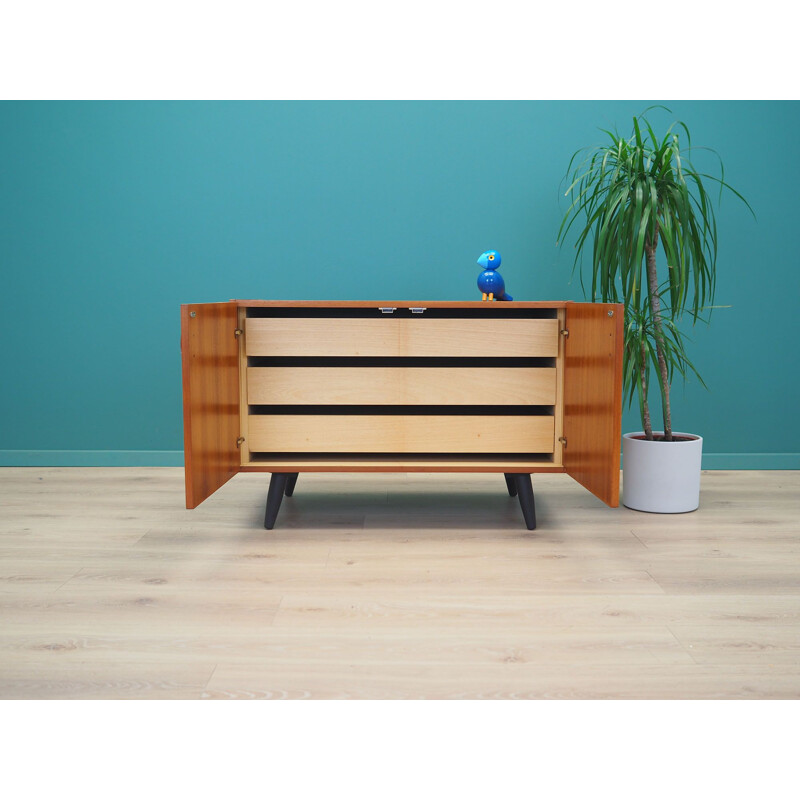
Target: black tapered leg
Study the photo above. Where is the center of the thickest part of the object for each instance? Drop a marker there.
(511, 483)
(277, 486)
(525, 492)
(290, 483)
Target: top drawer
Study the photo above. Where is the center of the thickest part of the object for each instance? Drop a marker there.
(391, 337)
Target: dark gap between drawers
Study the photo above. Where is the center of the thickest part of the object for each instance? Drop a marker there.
(373, 312)
(406, 411)
(390, 361)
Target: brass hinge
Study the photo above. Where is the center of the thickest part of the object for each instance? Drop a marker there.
(564, 332)
(238, 332)
(563, 440)
(240, 441)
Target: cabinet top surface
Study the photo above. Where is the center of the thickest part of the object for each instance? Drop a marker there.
(406, 303)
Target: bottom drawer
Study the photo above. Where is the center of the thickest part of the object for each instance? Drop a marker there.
(396, 433)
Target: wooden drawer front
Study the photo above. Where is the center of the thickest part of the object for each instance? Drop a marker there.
(390, 433)
(401, 386)
(491, 338)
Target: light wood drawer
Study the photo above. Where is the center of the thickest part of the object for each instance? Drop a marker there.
(401, 386)
(394, 433)
(489, 338)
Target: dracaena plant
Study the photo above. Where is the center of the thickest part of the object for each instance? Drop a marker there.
(633, 197)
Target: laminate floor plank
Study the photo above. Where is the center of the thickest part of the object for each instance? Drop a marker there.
(262, 646)
(75, 674)
(733, 642)
(457, 609)
(508, 681)
(393, 586)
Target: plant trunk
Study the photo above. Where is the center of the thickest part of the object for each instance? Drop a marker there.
(655, 307)
(648, 426)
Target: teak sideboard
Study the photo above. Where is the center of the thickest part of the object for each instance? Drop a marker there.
(287, 387)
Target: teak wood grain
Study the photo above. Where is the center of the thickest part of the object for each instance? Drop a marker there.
(593, 397)
(244, 449)
(210, 358)
(489, 386)
(217, 381)
(390, 433)
(558, 407)
(378, 304)
(402, 337)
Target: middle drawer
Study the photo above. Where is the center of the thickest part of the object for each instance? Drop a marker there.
(401, 386)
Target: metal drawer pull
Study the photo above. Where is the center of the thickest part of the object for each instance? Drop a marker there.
(417, 310)
(386, 310)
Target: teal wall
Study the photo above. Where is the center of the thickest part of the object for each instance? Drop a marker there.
(114, 213)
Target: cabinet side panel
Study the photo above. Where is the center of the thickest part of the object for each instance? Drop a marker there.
(210, 354)
(593, 397)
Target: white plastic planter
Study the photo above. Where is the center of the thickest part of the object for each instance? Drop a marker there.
(662, 477)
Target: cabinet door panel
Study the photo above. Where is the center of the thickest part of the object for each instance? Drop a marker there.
(210, 353)
(593, 397)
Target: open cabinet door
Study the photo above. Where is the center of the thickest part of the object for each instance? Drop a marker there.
(593, 396)
(210, 352)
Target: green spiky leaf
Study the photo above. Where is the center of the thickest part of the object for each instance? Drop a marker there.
(642, 195)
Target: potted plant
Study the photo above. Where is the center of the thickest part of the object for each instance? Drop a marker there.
(634, 199)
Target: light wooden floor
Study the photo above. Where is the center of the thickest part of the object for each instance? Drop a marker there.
(393, 586)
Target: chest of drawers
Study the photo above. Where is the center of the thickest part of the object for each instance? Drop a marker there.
(287, 387)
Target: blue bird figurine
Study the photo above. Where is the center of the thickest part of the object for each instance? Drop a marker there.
(490, 282)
